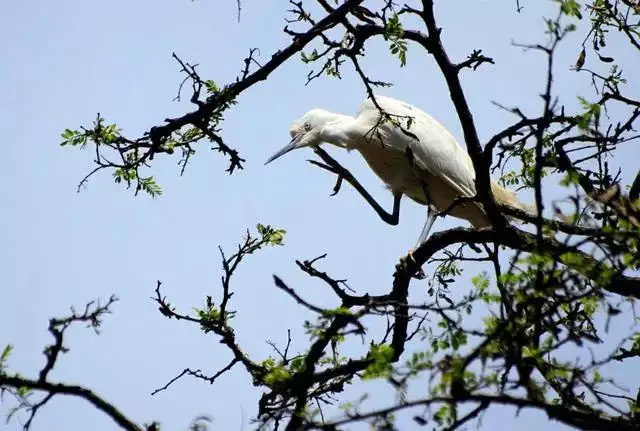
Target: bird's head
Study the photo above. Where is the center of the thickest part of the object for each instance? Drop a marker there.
(306, 131)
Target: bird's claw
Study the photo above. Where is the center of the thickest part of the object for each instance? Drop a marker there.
(419, 275)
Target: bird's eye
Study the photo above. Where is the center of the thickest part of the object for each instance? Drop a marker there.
(307, 126)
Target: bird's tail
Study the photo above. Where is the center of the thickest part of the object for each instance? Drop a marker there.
(509, 198)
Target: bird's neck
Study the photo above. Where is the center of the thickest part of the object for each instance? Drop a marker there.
(342, 132)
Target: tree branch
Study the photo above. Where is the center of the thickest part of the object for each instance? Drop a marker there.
(525, 241)
(571, 417)
(450, 73)
(72, 390)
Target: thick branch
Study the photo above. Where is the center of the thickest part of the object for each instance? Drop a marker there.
(459, 100)
(304, 380)
(571, 417)
(525, 241)
(77, 391)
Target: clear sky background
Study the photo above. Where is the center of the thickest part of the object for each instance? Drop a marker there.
(63, 61)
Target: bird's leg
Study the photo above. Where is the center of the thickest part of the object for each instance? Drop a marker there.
(333, 166)
(432, 214)
(395, 215)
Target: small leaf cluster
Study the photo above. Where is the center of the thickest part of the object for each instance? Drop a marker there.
(394, 33)
(590, 116)
(570, 8)
(381, 355)
(270, 235)
(209, 317)
(4, 357)
(100, 134)
(146, 184)
(279, 372)
(224, 100)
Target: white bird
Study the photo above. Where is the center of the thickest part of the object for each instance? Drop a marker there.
(435, 172)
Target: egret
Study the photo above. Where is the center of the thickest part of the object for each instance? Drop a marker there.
(410, 152)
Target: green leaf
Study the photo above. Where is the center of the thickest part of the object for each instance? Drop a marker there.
(211, 86)
(570, 8)
(270, 235)
(481, 281)
(571, 177)
(394, 33)
(210, 317)
(150, 186)
(22, 392)
(597, 378)
(297, 364)
(340, 311)
(443, 413)
(74, 138)
(276, 376)
(6, 352)
(381, 354)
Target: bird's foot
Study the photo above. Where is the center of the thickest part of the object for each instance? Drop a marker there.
(419, 275)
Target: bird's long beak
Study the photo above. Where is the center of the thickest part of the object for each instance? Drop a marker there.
(289, 147)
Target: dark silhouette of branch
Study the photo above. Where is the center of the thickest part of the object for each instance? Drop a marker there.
(546, 296)
(450, 73)
(198, 374)
(218, 327)
(91, 316)
(53, 389)
(279, 57)
(574, 418)
(137, 153)
(524, 241)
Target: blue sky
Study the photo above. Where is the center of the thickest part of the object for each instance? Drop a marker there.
(64, 61)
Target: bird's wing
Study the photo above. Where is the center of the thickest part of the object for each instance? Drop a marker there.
(434, 148)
